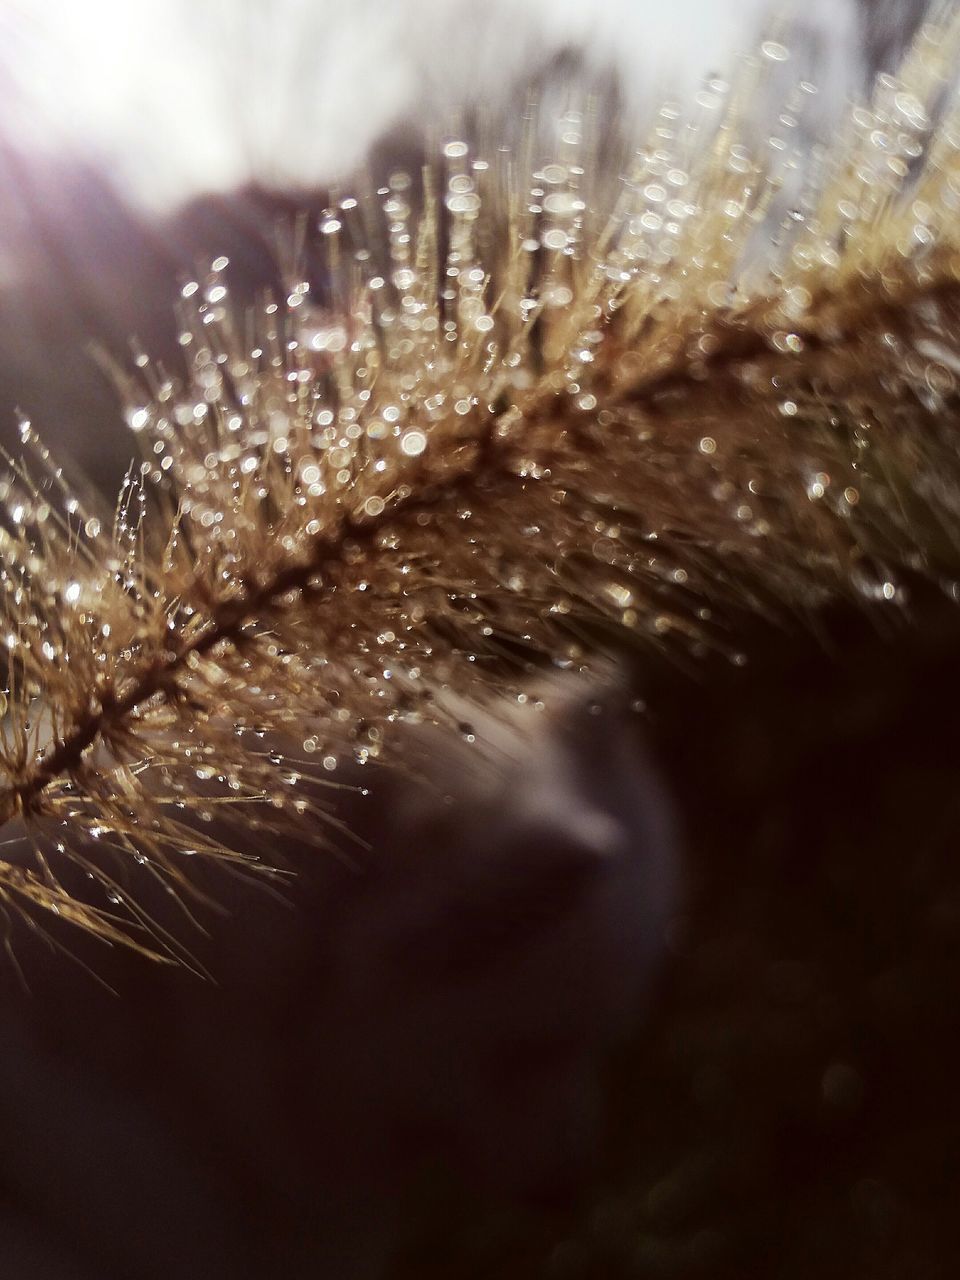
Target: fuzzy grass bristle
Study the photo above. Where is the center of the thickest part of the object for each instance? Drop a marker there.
(534, 404)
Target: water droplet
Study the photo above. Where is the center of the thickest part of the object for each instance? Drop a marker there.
(774, 51)
(413, 443)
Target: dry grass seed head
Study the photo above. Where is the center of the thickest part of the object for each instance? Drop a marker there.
(548, 403)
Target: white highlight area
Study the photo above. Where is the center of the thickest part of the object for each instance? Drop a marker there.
(178, 97)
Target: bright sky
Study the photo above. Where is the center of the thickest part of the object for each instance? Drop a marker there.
(176, 97)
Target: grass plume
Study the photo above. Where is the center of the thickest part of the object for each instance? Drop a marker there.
(541, 398)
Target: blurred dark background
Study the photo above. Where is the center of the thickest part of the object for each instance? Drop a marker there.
(387, 1078)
